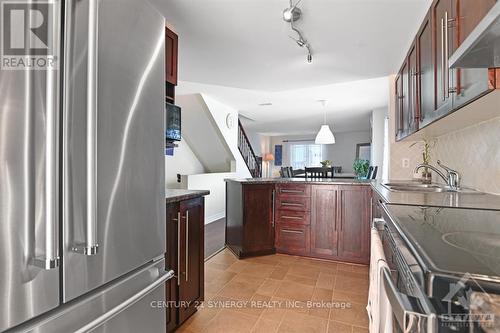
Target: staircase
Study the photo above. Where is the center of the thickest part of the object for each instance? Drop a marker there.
(246, 150)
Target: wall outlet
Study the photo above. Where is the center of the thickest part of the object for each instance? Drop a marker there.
(406, 163)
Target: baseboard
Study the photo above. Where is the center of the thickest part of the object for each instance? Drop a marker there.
(215, 217)
(215, 253)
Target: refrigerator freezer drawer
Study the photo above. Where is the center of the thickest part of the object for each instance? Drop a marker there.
(131, 304)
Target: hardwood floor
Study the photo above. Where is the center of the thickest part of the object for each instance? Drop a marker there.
(271, 294)
(215, 235)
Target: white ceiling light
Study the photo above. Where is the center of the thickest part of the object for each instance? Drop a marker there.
(325, 135)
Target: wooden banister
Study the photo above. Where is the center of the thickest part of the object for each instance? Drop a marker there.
(246, 150)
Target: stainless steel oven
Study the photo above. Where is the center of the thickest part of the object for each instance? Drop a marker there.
(404, 282)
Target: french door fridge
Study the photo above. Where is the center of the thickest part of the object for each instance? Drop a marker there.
(82, 212)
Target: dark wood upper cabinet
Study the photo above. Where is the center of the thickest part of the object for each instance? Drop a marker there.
(413, 102)
(405, 100)
(469, 14)
(399, 106)
(324, 228)
(171, 56)
(469, 84)
(354, 216)
(426, 88)
(442, 13)
(425, 72)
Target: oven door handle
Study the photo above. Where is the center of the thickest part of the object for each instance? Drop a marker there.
(409, 318)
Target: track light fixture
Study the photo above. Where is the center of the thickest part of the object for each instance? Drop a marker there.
(290, 15)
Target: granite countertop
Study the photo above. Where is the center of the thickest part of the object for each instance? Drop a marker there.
(325, 181)
(477, 200)
(175, 195)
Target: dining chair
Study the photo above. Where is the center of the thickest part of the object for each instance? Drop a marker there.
(319, 172)
(372, 172)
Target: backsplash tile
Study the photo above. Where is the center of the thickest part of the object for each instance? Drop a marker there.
(475, 152)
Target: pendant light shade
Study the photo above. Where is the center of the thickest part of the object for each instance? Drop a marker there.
(324, 136)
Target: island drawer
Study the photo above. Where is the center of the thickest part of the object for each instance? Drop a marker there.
(293, 216)
(294, 203)
(293, 238)
(293, 190)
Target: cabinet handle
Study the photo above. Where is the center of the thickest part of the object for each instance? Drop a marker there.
(443, 75)
(178, 248)
(187, 245)
(446, 55)
(291, 217)
(274, 206)
(291, 204)
(291, 191)
(292, 231)
(341, 222)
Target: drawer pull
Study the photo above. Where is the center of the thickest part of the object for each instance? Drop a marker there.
(292, 231)
(291, 217)
(292, 191)
(291, 204)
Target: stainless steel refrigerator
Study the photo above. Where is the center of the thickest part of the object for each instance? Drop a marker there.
(82, 210)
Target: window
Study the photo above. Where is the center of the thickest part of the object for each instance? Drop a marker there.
(305, 155)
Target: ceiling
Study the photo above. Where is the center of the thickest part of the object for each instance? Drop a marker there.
(298, 111)
(244, 44)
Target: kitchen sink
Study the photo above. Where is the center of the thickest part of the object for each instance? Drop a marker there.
(426, 188)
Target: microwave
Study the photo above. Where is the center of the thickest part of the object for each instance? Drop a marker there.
(172, 122)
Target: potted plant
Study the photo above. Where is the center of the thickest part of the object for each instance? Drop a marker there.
(426, 159)
(326, 163)
(361, 168)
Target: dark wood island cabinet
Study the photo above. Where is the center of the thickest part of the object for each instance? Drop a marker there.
(326, 220)
(250, 219)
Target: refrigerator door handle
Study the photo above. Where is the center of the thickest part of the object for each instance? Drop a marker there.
(126, 304)
(51, 258)
(90, 247)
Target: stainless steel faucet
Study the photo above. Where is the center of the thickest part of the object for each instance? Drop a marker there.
(452, 177)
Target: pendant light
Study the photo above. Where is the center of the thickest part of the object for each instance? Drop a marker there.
(325, 135)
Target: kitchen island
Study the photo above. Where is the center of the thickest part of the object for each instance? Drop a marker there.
(320, 218)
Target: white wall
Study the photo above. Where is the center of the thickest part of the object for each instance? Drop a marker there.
(215, 203)
(342, 153)
(219, 113)
(256, 141)
(378, 124)
(204, 133)
(183, 162)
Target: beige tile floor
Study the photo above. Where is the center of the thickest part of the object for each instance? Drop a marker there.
(275, 293)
